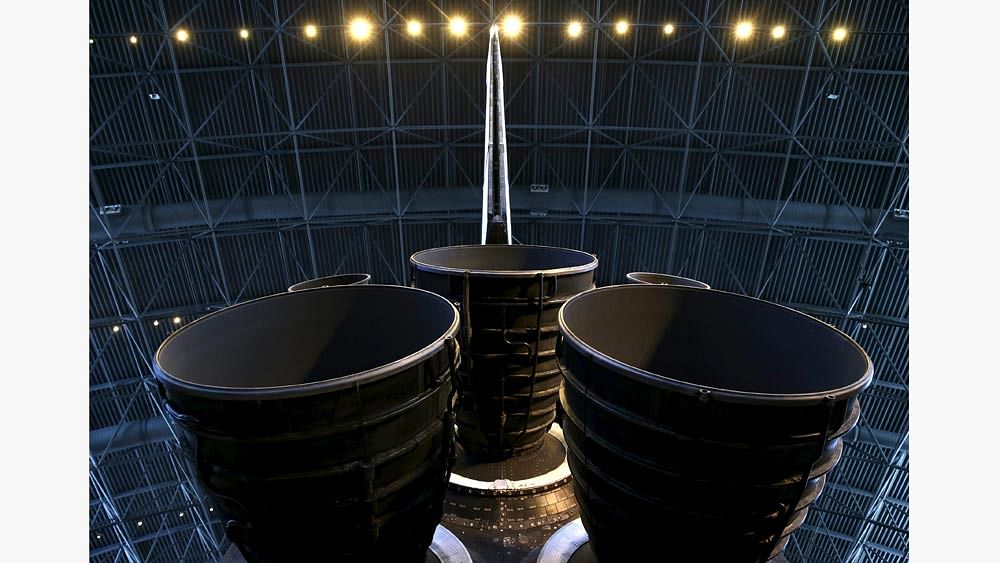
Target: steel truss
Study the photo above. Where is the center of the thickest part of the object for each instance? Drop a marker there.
(847, 277)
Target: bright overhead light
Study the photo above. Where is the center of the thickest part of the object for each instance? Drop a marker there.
(668, 29)
(621, 27)
(183, 35)
(512, 26)
(210, 509)
(574, 29)
(414, 27)
(92, 41)
(744, 30)
(156, 323)
(181, 515)
(98, 536)
(115, 328)
(311, 31)
(458, 26)
(840, 34)
(360, 29)
(778, 31)
(139, 523)
(245, 33)
(177, 320)
(133, 39)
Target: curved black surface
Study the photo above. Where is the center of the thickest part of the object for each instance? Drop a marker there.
(664, 279)
(333, 281)
(701, 420)
(318, 421)
(504, 260)
(584, 555)
(717, 340)
(538, 461)
(282, 342)
(510, 297)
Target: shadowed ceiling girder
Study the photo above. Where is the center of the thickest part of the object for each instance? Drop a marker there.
(144, 220)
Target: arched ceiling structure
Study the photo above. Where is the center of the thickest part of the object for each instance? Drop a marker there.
(226, 168)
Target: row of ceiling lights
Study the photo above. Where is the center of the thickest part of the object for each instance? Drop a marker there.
(180, 514)
(361, 29)
(176, 321)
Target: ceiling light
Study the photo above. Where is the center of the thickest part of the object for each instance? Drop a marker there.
(245, 33)
(864, 325)
(210, 509)
(115, 328)
(156, 323)
(177, 320)
(91, 41)
(621, 28)
(311, 31)
(414, 27)
(133, 40)
(744, 30)
(840, 34)
(183, 35)
(778, 31)
(139, 523)
(458, 26)
(360, 29)
(181, 515)
(668, 29)
(98, 536)
(512, 26)
(574, 29)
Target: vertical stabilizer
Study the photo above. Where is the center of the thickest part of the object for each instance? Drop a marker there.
(496, 198)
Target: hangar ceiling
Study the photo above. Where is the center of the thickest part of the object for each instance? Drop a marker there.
(226, 168)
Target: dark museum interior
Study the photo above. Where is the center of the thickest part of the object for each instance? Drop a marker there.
(499, 281)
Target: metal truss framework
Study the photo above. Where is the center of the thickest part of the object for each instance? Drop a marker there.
(799, 152)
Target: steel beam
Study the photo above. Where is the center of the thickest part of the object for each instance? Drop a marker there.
(146, 220)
